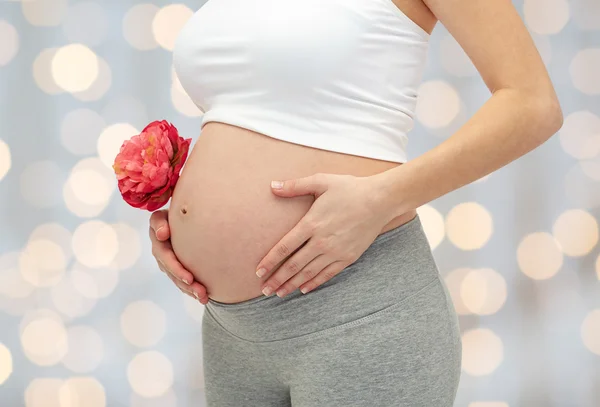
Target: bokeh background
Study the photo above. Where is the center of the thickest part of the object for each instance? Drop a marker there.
(87, 319)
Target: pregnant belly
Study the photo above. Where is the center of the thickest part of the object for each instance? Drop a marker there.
(223, 216)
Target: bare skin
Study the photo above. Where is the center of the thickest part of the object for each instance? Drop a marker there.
(282, 215)
(521, 114)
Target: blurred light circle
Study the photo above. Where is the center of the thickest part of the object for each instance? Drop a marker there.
(130, 246)
(126, 109)
(591, 168)
(539, 255)
(143, 323)
(137, 26)
(5, 160)
(438, 104)
(544, 47)
(41, 184)
(586, 14)
(90, 186)
(167, 23)
(86, 23)
(111, 139)
(580, 134)
(44, 341)
(584, 71)
(577, 232)
(6, 363)
(483, 291)
(89, 200)
(195, 378)
(433, 224)
(169, 399)
(44, 13)
(482, 351)
(193, 308)
(590, 331)
(56, 233)
(175, 82)
(469, 226)
(86, 349)
(581, 190)
(150, 374)
(453, 282)
(38, 314)
(82, 392)
(546, 16)
(94, 283)
(75, 67)
(80, 130)
(100, 86)
(43, 392)
(132, 216)
(10, 42)
(454, 59)
(180, 99)
(19, 306)
(95, 244)
(12, 283)
(42, 263)
(183, 104)
(77, 207)
(69, 301)
(42, 72)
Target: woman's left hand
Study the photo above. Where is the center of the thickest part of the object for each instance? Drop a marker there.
(342, 222)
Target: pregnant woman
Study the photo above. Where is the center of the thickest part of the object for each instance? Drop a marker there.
(321, 94)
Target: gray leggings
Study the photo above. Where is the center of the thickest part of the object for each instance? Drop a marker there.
(383, 332)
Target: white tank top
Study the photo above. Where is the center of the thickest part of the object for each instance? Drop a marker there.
(338, 75)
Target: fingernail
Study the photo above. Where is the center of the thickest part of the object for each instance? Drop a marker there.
(267, 291)
(185, 281)
(281, 293)
(261, 271)
(158, 230)
(304, 290)
(196, 295)
(276, 184)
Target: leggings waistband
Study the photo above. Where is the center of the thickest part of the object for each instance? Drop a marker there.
(397, 264)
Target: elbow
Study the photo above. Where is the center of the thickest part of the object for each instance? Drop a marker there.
(555, 115)
(549, 116)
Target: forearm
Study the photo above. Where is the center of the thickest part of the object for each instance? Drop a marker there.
(510, 124)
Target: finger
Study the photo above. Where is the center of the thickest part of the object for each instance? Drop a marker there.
(174, 267)
(290, 268)
(308, 273)
(196, 290)
(284, 248)
(183, 288)
(199, 290)
(315, 184)
(324, 275)
(164, 255)
(159, 223)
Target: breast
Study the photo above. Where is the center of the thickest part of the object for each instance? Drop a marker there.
(236, 52)
(349, 66)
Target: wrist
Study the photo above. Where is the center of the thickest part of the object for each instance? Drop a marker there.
(387, 200)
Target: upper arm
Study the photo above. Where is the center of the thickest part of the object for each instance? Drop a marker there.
(496, 40)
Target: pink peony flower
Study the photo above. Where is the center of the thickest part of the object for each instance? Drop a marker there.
(148, 165)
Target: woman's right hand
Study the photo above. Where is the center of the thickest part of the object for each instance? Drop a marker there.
(167, 261)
